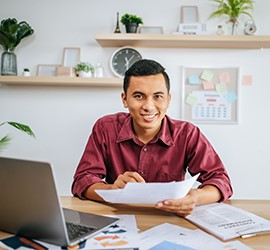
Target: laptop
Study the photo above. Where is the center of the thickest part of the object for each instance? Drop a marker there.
(30, 206)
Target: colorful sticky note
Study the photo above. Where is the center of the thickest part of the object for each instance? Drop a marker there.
(207, 75)
(224, 77)
(247, 80)
(208, 85)
(230, 97)
(194, 79)
(221, 87)
(191, 99)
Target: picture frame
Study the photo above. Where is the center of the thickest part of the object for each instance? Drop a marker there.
(71, 57)
(150, 30)
(210, 95)
(46, 69)
(189, 14)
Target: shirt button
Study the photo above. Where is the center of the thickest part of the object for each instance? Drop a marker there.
(142, 172)
(145, 149)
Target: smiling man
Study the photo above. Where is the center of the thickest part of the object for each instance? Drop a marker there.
(146, 145)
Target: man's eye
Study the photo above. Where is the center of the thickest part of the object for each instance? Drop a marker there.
(138, 96)
(158, 96)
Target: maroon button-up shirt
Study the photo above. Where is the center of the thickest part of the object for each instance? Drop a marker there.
(112, 149)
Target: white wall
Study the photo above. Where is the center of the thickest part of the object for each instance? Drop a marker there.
(62, 117)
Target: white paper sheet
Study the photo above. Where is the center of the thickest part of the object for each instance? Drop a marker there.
(228, 222)
(148, 193)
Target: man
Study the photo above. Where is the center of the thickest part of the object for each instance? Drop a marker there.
(145, 145)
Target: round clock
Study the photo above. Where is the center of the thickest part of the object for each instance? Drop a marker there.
(122, 59)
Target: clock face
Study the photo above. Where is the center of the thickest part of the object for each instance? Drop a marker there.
(122, 59)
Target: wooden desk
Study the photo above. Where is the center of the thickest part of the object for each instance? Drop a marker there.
(148, 216)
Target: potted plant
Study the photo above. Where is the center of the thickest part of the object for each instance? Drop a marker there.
(233, 9)
(22, 127)
(84, 69)
(11, 34)
(26, 72)
(131, 22)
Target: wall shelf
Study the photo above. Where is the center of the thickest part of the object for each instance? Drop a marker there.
(183, 41)
(61, 81)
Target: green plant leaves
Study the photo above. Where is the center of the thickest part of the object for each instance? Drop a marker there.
(22, 127)
(12, 32)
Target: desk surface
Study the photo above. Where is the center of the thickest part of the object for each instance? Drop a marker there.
(147, 216)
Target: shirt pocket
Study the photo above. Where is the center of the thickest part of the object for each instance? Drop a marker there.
(168, 176)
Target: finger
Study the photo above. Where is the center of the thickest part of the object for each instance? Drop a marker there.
(134, 177)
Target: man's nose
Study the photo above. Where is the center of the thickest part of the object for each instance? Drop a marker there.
(148, 104)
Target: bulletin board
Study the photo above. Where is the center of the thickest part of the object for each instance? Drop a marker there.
(210, 95)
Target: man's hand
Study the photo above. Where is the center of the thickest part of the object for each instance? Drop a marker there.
(185, 206)
(126, 177)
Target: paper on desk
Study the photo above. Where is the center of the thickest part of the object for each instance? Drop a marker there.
(228, 222)
(148, 193)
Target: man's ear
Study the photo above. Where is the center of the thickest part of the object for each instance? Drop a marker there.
(124, 99)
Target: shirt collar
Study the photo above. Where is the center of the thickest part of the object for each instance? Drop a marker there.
(165, 134)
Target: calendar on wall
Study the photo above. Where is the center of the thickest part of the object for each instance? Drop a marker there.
(210, 95)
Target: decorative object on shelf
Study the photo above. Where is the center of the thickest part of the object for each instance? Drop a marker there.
(220, 30)
(150, 30)
(189, 22)
(26, 72)
(84, 69)
(122, 59)
(22, 127)
(233, 9)
(11, 34)
(99, 71)
(65, 71)
(46, 69)
(131, 22)
(189, 14)
(250, 28)
(71, 57)
(117, 28)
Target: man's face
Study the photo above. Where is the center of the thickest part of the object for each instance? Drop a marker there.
(147, 99)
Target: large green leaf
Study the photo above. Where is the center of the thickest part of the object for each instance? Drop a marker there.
(12, 32)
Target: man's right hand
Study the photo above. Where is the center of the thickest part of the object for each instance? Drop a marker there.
(126, 177)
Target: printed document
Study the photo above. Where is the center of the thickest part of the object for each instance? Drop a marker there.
(228, 222)
(148, 193)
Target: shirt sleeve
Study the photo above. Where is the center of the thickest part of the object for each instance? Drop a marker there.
(91, 168)
(202, 158)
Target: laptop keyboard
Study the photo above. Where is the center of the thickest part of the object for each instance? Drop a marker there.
(76, 231)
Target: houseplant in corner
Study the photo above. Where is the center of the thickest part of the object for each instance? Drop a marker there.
(131, 22)
(11, 34)
(22, 127)
(233, 9)
(84, 69)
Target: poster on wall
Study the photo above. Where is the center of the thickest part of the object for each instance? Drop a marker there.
(210, 95)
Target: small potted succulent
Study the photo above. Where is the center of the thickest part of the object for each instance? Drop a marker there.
(26, 72)
(84, 69)
(131, 22)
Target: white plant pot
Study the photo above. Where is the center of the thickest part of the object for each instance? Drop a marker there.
(26, 73)
(85, 74)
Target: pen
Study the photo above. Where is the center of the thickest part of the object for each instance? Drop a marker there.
(244, 236)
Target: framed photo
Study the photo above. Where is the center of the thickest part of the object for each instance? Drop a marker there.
(150, 30)
(71, 57)
(189, 14)
(210, 95)
(46, 69)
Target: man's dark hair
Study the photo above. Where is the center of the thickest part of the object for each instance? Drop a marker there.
(145, 67)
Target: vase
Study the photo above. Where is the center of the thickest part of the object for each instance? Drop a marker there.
(131, 27)
(234, 29)
(8, 63)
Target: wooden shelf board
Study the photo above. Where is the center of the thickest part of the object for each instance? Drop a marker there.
(61, 81)
(183, 41)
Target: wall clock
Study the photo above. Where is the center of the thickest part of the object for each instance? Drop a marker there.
(122, 59)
